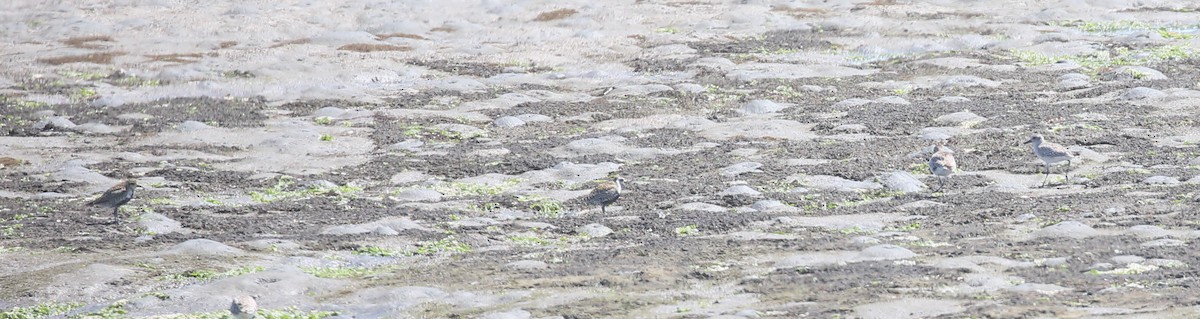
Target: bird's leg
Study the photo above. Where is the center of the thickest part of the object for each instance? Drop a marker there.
(1046, 176)
(1068, 171)
(602, 209)
(941, 183)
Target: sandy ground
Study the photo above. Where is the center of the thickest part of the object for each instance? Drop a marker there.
(428, 159)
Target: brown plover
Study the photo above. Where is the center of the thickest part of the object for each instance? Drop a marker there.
(1050, 153)
(116, 196)
(606, 193)
(243, 307)
(942, 164)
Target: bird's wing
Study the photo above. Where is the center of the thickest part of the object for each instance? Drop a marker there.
(602, 192)
(1054, 150)
(949, 162)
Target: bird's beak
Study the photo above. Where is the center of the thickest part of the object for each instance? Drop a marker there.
(1028, 141)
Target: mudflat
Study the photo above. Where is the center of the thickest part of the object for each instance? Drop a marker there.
(430, 159)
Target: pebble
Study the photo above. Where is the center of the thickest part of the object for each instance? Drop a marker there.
(594, 230)
(740, 190)
(203, 247)
(903, 181)
(741, 168)
(1161, 180)
(508, 121)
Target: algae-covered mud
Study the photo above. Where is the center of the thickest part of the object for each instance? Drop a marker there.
(432, 159)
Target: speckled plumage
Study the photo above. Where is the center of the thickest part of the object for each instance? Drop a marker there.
(1050, 153)
(942, 164)
(116, 196)
(243, 307)
(606, 193)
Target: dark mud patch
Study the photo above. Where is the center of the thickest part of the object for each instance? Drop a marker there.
(165, 114)
(483, 70)
(770, 42)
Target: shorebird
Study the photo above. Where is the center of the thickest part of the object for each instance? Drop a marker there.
(243, 307)
(116, 196)
(1050, 153)
(942, 164)
(606, 193)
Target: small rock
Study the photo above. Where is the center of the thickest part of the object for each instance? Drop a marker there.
(849, 103)
(406, 177)
(272, 245)
(1165, 242)
(638, 90)
(1130, 73)
(864, 240)
(490, 153)
(1054, 262)
(702, 207)
(203, 247)
(461, 131)
(748, 313)
(924, 203)
(740, 190)
(850, 128)
(535, 225)
(1148, 231)
(965, 119)
(94, 128)
(941, 133)
(329, 111)
(135, 117)
(54, 123)
(1142, 93)
(1166, 263)
(1127, 259)
(741, 168)
(530, 118)
(965, 81)
(953, 99)
(1101, 266)
(885, 252)
(892, 100)
(594, 230)
(526, 265)
(1073, 84)
(1051, 37)
(690, 88)
(771, 206)
(158, 223)
(1069, 229)
(1073, 81)
(904, 182)
(385, 231)
(1161, 180)
(411, 145)
(762, 107)
(508, 121)
(835, 183)
(418, 195)
(180, 74)
(511, 314)
(192, 126)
